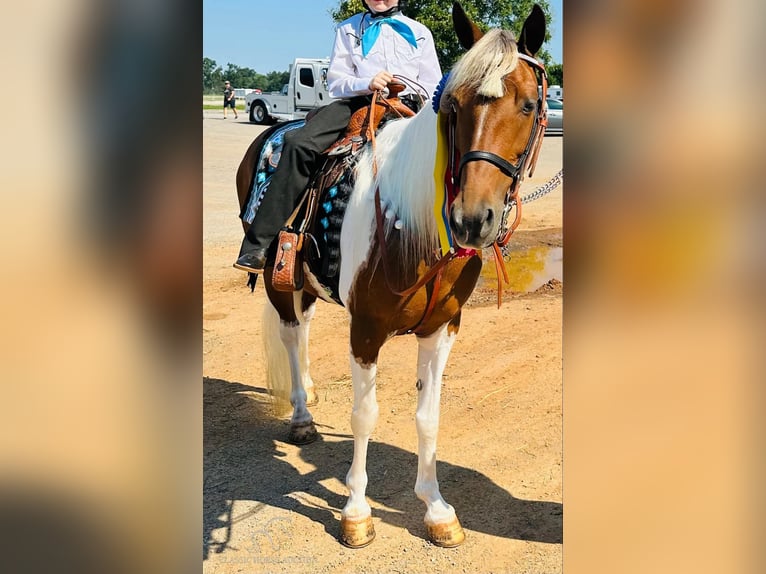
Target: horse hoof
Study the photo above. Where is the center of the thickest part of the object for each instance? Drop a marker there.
(356, 533)
(302, 434)
(446, 535)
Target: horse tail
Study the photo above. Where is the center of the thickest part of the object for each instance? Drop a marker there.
(276, 361)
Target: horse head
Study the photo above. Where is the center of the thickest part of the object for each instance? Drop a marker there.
(496, 115)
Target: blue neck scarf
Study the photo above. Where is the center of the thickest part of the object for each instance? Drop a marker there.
(370, 35)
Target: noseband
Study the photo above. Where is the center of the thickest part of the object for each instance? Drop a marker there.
(527, 159)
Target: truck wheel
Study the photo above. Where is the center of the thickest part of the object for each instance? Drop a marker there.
(258, 113)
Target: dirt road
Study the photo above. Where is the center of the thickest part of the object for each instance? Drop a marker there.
(273, 507)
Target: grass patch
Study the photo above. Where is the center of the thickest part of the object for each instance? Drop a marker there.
(240, 107)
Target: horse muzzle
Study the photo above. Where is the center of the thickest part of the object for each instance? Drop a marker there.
(476, 228)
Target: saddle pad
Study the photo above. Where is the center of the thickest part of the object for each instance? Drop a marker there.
(323, 256)
(267, 164)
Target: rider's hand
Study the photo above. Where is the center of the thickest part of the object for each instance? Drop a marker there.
(380, 81)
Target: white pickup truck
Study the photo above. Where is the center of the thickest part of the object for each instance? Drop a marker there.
(305, 91)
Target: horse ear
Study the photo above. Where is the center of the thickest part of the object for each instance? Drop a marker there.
(467, 32)
(533, 32)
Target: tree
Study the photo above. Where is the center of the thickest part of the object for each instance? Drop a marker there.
(275, 81)
(212, 76)
(244, 77)
(437, 15)
(555, 75)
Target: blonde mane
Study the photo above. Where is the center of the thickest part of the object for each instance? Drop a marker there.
(484, 66)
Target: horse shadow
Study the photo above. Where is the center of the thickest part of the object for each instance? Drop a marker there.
(242, 462)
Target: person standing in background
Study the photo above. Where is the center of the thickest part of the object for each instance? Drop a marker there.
(228, 99)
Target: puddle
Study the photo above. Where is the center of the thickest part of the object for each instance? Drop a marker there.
(528, 269)
(214, 316)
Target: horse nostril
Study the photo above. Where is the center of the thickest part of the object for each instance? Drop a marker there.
(490, 217)
(456, 218)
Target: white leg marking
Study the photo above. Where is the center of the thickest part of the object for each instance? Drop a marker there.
(432, 358)
(308, 383)
(295, 340)
(363, 418)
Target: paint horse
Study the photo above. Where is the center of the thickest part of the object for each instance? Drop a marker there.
(409, 261)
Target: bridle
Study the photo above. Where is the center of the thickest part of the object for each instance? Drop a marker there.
(526, 161)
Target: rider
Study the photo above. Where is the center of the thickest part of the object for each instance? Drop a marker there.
(369, 49)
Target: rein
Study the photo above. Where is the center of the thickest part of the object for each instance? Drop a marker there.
(435, 272)
(436, 268)
(427, 276)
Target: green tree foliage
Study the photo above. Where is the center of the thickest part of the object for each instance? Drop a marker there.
(244, 77)
(275, 81)
(437, 15)
(213, 77)
(555, 75)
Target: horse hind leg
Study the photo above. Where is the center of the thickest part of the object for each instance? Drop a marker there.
(290, 361)
(308, 309)
(441, 522)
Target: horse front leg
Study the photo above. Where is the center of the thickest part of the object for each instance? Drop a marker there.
(356, 528)
(441, 521)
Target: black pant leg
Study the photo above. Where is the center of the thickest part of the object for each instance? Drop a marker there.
(300, 158)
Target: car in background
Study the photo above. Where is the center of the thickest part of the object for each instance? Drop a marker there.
(555, 116)
(242, 92)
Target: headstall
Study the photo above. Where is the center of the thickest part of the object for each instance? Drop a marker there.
(526, 161)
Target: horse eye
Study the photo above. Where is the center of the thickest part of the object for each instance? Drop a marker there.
(529, 107)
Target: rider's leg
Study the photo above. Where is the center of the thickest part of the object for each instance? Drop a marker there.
(300, 157)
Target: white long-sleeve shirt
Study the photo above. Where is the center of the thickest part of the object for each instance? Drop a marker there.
(350, 73)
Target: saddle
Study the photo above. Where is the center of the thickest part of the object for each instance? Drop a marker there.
(364, 123)
(319, 213)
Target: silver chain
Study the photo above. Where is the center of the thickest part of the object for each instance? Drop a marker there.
(552, 184)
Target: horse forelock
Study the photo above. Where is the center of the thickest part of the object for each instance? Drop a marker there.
(483, 68)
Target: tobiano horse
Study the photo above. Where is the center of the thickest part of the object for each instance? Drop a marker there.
(410, 260)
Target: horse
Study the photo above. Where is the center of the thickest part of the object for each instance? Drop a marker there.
(403, 271)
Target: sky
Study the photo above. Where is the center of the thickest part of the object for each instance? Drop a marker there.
(267, 35)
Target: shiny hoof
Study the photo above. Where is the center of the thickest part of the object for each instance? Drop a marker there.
(302, 434)
(312, 398)
(356, 533)
(446, 535)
